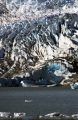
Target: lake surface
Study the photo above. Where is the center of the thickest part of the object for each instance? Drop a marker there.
(43, 100)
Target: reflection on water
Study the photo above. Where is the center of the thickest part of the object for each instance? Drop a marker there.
(40, 101)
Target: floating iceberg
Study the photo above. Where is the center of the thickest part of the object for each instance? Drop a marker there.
(53, 67)
(74, 85)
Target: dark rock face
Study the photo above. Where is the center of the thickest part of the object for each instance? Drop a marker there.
(30, 46)
(9, 82)
(2, 53)
(3, 9)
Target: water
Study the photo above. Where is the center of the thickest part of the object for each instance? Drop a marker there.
(42, 100)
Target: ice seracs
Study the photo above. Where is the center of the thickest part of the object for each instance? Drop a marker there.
(65, 42)
(29, 44)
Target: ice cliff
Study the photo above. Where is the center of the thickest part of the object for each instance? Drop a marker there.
(43, 50)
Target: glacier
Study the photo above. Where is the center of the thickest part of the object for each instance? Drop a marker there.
(38, 44)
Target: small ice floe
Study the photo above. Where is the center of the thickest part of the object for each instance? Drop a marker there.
(56, 115)
(19, 115)
(28, 100)
(53, 85)
(4, 114)
(75, 116)
(52, 114)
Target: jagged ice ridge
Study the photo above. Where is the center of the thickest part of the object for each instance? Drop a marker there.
(42, 50)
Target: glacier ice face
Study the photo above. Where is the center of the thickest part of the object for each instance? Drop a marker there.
(25, 43)
(28, 45)
(34, 9)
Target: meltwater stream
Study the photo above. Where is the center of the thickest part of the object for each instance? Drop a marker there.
(39, 101)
